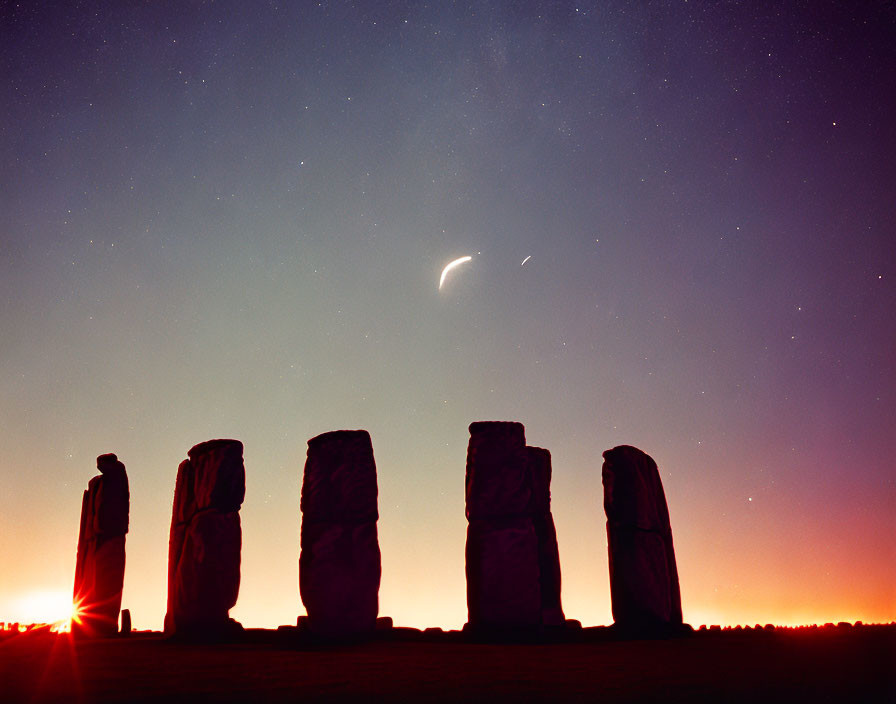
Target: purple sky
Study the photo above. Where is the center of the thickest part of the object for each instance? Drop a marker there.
(228, 219)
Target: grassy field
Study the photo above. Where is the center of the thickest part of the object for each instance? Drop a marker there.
(848, 664)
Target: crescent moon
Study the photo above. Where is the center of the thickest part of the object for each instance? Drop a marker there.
(450, 266)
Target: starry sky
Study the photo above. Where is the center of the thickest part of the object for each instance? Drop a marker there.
(228, 219)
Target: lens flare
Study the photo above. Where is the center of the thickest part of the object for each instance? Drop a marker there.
(44, 606)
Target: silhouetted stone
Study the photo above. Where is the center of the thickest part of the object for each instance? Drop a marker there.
(125, 622)
(512, 560)
(643, 575)
(502, 574)
(339, 563)
(497, 477)
(206, 540)
(99, 568)
(539, 461)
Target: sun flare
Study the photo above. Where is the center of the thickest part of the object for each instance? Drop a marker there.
(45, 606)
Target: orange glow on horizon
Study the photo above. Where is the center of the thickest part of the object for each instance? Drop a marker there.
(696, 617)
(64, 626)
(43, 606)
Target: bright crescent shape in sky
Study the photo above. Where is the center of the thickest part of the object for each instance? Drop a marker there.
(450, 266)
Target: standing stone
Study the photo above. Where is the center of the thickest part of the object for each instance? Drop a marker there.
(643, 576)
(206, 540)
(502, 557)
(548, 552)
(339, 562)
(125, 622)
(99, 568)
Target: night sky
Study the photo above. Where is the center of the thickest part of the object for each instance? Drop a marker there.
(229, 220)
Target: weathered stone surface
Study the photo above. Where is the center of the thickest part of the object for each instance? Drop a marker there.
(181, 513)
(219, 475)
(205, 541)
(539, 461)
(497, 476)
(339, 563)
(512, 560)
(548, 551)
(339, 576)
(99, 567)
(502, 573)
(643, 575)
(339, 483)
(113, 505)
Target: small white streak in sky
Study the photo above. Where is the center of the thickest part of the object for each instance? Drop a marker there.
(526, 259)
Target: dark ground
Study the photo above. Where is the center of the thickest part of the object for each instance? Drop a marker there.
(847, 664)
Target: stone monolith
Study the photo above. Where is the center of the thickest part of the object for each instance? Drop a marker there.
(206, 540)
(339, 562)
(99, 568)
(502, 557)
(548, 553)
(643, 576)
